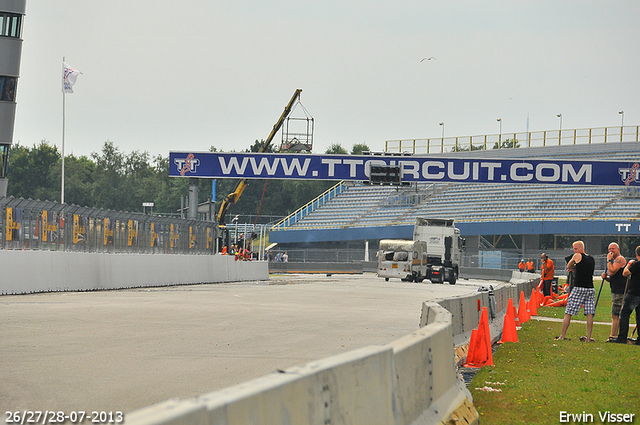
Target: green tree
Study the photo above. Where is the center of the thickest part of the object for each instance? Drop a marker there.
(30, 172)
(79, 173)
(507, 144)
(358, 148)
(109, 178)
(336, 148)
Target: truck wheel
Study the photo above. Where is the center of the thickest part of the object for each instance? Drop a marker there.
(453, 276)
(386, 279)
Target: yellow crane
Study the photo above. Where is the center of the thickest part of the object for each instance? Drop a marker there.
(233, 197)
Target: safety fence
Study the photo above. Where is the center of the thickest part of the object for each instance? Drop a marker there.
(529, 139)
(44, 225)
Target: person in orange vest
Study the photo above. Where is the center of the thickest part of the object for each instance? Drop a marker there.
(224, 251)
(548, 270)
(522, 266)
(531, 268)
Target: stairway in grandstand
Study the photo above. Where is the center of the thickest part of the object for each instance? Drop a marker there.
(361, 205)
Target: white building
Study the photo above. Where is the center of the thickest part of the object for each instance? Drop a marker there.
(11, 18)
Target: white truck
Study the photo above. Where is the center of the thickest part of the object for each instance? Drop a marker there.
(434, 253)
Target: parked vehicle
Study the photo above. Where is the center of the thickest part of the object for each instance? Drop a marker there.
(434, 253)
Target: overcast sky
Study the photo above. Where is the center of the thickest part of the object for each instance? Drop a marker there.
(186, 75)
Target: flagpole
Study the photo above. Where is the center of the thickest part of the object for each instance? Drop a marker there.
(63, 130)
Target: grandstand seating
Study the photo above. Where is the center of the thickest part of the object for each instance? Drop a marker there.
(361, 205)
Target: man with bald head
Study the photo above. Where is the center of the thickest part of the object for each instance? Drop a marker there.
(615, 267)
(583, 292)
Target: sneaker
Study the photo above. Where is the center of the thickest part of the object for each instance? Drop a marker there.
(618, 341)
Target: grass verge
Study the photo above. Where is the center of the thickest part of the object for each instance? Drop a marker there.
(539, 377)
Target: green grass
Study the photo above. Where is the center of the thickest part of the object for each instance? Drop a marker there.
(540, 377)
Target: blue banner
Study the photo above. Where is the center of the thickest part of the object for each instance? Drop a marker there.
(413, 168)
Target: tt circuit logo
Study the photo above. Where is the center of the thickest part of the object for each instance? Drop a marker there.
(630, 175)
(187, 165)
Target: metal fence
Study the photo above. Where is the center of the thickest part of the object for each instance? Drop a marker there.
(560, 137)
(44, 225)
(504, 260)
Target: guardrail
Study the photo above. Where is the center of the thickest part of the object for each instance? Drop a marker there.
(43, 225)
(524, 139)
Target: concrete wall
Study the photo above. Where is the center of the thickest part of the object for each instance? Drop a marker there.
(411, 380)
(46, 271)
(313, 267)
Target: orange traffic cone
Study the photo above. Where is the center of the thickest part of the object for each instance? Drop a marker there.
(509, 333)
(533, 303)
(472, 344)
(540, 297)
(511, 308)
(480, 353)
(523, 316)
(559, 303)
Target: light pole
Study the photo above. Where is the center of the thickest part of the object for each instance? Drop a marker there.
(621, 124)
(442, 124)
(500, 135)
(560, 131)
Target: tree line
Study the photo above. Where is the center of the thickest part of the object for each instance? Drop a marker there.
(112, 179)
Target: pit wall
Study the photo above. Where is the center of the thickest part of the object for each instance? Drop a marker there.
(412, 380)
(26, 272)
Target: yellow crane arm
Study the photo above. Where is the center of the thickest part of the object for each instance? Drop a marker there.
(233, 197)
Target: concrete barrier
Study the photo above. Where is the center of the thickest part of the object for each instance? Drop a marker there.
(427, 387)
(46, 271)
(412, 380)
(313, 267)
(351, 388)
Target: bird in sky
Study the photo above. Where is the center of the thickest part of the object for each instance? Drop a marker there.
(427, 59)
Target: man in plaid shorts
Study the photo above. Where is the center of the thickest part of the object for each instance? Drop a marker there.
(583, 292)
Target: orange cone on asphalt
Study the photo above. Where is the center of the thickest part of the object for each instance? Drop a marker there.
(509, 333)
(533, 303)
(523, 316)
(480, 353)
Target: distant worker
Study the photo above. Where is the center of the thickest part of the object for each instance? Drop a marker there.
(522, 266)
(631, 298)
(583, 292)
(548, 270)
(615, 267)
(531, 268)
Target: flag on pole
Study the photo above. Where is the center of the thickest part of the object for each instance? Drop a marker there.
(69, 76)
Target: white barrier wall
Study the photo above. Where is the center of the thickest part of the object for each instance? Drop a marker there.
(412, 380)
(45, 271)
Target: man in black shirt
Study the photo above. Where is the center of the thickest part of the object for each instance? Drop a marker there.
(583, 292)
(615, 266)
(631, 299)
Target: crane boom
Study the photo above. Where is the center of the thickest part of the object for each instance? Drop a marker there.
(233, 197)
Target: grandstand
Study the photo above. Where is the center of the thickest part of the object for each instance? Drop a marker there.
(523, 212)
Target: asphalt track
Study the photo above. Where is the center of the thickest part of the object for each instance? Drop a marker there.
(126, 349)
